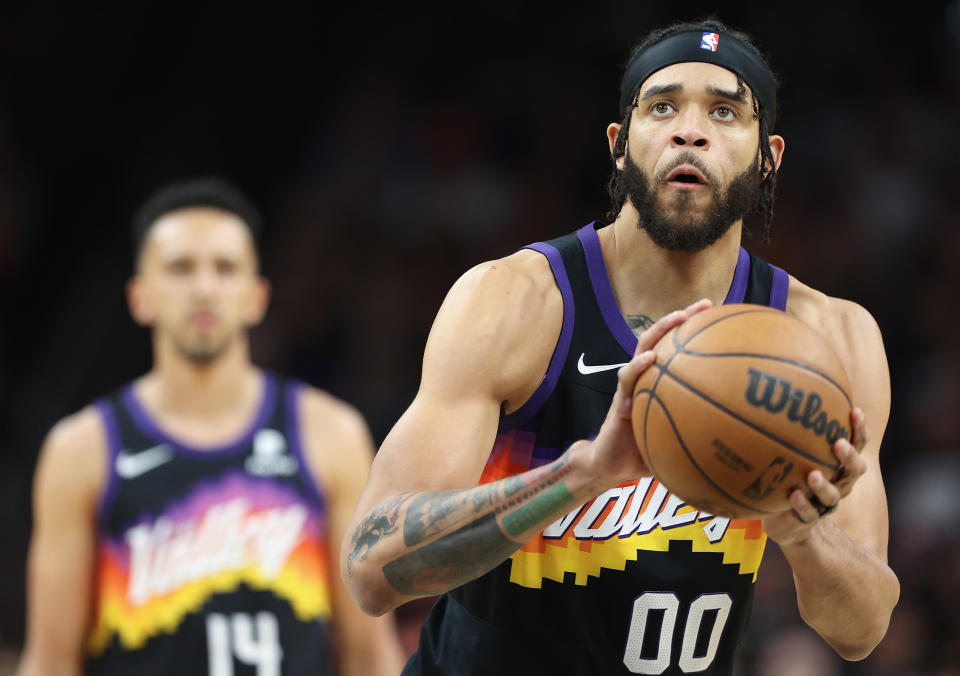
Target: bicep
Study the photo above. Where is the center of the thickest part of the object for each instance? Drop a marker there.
(863, 514)
(62, 548)
(437, 444)
(58, 591)
(491, 343)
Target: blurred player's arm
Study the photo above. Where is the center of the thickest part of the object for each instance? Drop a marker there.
(423, 525)
(845, 589)
(340, 449)
(69, 477)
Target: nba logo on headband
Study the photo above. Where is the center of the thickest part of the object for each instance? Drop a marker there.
(710, 41)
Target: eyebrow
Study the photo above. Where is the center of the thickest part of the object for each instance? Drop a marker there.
(674, 88)
(740, 95)
(657, 90)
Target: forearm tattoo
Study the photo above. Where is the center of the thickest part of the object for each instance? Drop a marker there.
(383, 520)
(639, 323)
(479, 540)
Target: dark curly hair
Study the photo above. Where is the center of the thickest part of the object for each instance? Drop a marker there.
(768, 182)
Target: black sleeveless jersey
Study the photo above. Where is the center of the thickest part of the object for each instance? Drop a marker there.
(632, 582)
(210, 561)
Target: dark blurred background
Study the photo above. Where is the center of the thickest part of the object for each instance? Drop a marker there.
(390, 149)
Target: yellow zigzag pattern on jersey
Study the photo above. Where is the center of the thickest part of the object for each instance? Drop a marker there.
(134, 626)
(529, 569)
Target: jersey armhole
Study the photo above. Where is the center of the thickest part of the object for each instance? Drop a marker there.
(108, 419)
(779, 288)
(294, 433)
(532, 405)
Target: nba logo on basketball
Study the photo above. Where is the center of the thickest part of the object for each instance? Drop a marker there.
(710, 41)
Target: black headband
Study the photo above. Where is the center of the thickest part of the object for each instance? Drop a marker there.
(701, 46)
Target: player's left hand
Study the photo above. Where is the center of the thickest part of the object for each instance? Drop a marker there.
(821, 496)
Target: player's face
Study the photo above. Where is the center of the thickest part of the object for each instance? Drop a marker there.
(692, 163)
(197, 284)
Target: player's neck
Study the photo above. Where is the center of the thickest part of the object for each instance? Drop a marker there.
(179, 386)
(652, 281)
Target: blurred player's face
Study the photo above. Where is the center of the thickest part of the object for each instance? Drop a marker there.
(197, 283)
(692, 163)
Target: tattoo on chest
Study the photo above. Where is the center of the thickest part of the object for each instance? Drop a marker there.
(639, 323)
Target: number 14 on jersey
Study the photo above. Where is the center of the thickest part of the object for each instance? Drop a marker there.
(251, 639)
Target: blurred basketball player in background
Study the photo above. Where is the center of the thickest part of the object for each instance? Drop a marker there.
(569, 558)
(190, 522)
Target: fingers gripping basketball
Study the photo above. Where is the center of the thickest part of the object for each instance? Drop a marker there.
(741, 404)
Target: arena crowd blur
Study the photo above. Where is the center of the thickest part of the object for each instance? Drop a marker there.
(390, 149)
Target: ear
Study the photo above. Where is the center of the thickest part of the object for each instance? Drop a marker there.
(613, 130)
(260, 300)
(139, 302)
(777, 145)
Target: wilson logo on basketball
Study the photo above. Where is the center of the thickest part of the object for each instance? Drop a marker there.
(776, 394)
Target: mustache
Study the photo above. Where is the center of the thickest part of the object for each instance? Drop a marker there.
(685, 157)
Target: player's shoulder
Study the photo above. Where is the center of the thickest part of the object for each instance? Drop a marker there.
(335, 435)
(839, 319)
(326, 411)
(333, 429)
(497, 327)
(499, 302)
(74, 451)
(522, 276)
(77, 434)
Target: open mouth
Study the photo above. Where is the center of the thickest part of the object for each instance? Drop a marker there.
(686, 177)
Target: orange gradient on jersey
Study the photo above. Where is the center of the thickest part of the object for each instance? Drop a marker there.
(303, 581)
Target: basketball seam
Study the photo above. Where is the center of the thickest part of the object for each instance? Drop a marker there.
(689, 455)
(749, 424)
(646, 414)
(703, 328)
(682, 347)
(773, 358)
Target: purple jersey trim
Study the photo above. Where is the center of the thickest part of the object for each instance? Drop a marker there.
(294, 433)
(603, 291)
(145, 423)
(607, 302)
(533, 404)
(113, 450)
(741, 275)
(779, 288)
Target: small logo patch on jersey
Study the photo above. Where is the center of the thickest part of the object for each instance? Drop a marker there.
(131, 465)
(269, 456)
(588, 369)
(710, 41)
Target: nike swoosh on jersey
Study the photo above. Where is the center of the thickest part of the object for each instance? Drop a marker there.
(587, 370)
(132, 465)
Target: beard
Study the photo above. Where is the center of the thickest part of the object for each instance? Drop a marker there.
(202, 351)
(679, 226)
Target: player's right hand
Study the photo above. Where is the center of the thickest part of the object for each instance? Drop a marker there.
(614, 453)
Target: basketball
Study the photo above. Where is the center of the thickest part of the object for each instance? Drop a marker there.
(742, 402)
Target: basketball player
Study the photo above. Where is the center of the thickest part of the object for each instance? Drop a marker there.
(187, 523)
(568, 558)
